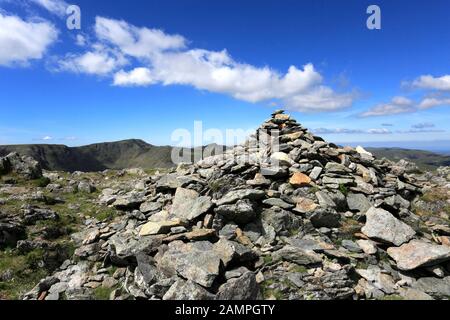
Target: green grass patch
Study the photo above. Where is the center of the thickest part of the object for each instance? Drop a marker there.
(343, 189)
(102, 293)
(42, 182)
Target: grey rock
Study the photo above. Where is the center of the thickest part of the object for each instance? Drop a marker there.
(325, 218)
(195, 261)
(438, 288)
(233, 196)
(275, 202)
(86, 187)
(315, 173)
(351, 246)
(297, 256)
(418, 253)
(148, 206)
(243, 288)
(358, 202)
(187, 290)
(241, 212)
(188, 205)
(383, 226)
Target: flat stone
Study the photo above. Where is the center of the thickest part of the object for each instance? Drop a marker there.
(325, 200)
(305, 205)
(188, 205)
(162, 227)
(235, 195)
(187, 290)
(438, 288)
(147, 207)
(383, 226)
(300, 180)
(281, 158)
(241, 212)
(296, 255)
(196, 261)
(358, 202)
(419, 254)
(315, 173)
(276, 202)
(240, 289)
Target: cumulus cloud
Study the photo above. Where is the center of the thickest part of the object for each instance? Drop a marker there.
(398, 105)
(431, 102)
(57, 7)
(47, 138)
(136, 77)
(99, 61)
(134, 41)
(165, 59)
(433, 83)
(22, 41)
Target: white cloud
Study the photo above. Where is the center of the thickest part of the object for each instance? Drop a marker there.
(57, 7)
(47, 138)
(433, 83)
(164, 59)
(379, 131)
(136, 42)
(81, 40)
(22, 41)
(136, 77)
(398, 105)
(98, 61)
(428, 103)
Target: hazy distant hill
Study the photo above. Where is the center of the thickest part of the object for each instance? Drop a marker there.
(96, 157)
(424, 159)
(137, 153)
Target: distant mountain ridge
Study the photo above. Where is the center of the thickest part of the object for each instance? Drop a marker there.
(138, 153)
(96, 157)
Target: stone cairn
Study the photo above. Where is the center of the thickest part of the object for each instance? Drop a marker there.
(286, 215)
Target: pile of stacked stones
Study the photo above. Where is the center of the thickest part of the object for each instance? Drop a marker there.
(286, 215)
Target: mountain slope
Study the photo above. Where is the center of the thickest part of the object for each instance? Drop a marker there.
(424, 159)
(101, 156)
(96, 157)
(138, 153)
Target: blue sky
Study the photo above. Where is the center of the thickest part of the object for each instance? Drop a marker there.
(142, 69)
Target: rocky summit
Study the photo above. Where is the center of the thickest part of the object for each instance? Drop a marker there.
(286, 215)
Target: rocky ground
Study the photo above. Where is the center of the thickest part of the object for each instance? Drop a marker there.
(324, 223)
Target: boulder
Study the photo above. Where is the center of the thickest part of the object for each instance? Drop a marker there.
(195, 261)
(358, 202)
(187, 290)
(417, 254)
(241, 289)
(383, 226)
(189, 205)
(241, 212)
